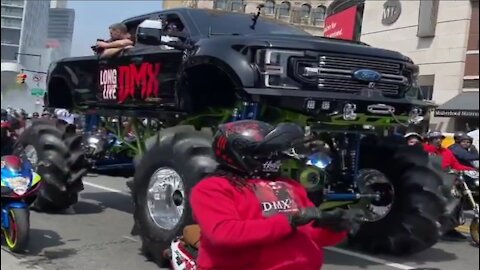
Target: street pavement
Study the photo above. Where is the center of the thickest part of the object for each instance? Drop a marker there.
(95, 235)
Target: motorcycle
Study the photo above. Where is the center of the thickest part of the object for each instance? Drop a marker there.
(466, 188)
(19, 186)
(108, 154)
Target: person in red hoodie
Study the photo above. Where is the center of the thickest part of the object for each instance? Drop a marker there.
(250, 217)
(433, 146)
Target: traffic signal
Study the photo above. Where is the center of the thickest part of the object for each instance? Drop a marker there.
(21, 78)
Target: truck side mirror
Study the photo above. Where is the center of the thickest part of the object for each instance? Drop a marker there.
(149, 32)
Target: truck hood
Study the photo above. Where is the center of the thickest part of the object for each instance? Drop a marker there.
(319, 44)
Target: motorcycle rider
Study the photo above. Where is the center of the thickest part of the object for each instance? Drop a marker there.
(463, 149)
(449, 161)
(250, 217)
(4, 115)
(413, 138)
(433, 146)
(6, 139)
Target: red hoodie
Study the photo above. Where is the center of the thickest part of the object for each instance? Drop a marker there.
(248, 228)
(448, 158)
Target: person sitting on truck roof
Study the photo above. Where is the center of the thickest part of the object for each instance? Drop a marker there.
(120, 39)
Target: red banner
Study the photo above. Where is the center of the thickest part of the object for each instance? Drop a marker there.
(341, 25)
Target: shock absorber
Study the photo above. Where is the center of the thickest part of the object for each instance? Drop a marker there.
(353, 153)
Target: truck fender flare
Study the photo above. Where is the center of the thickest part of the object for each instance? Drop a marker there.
(241, 73)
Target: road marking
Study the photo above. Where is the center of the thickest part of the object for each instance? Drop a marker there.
(130, 238)
(106, 188)
(370, 258)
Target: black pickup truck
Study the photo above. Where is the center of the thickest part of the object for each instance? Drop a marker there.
(231, 66)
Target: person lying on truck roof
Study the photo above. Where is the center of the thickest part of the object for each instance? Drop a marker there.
(120, 39)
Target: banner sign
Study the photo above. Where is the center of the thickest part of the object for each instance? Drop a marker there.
(456, 113)
(341, 25)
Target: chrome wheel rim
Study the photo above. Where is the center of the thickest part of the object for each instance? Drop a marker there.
(165, 198)
(375, 182)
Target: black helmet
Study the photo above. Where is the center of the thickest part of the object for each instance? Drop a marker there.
(435, 134)
(254, 148)
(461, 136)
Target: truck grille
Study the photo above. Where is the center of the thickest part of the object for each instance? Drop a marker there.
(351, 86)
(351, 63)
(335, 73)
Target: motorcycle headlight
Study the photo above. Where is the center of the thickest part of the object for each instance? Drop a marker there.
(273, 65)
(19, 185)
(319, 160)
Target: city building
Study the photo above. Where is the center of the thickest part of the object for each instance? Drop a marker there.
(58, 3)
(24, 34)
(60, 32)
(308, 15)
(442, 38)
(24, 29)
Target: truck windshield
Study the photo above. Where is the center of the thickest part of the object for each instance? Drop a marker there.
(223, 22)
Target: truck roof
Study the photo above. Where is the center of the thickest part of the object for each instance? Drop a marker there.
(197, 15)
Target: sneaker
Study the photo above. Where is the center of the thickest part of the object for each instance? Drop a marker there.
(454, 235)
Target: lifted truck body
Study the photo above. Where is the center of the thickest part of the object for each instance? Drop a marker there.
(349, 95)
(146, 81)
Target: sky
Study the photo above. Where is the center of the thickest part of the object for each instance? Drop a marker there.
(92, 19)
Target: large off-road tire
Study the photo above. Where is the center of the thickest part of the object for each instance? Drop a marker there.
(60, 162)
(414, 221)
(149, 143)
(181, 150)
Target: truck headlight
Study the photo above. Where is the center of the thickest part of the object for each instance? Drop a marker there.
(273, 65)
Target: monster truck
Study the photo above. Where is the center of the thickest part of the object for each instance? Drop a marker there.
(230, 66)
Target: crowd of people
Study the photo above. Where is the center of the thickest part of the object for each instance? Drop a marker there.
(461, 155)
(14, 121)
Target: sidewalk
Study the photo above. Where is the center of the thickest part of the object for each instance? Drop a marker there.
(10, 262)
